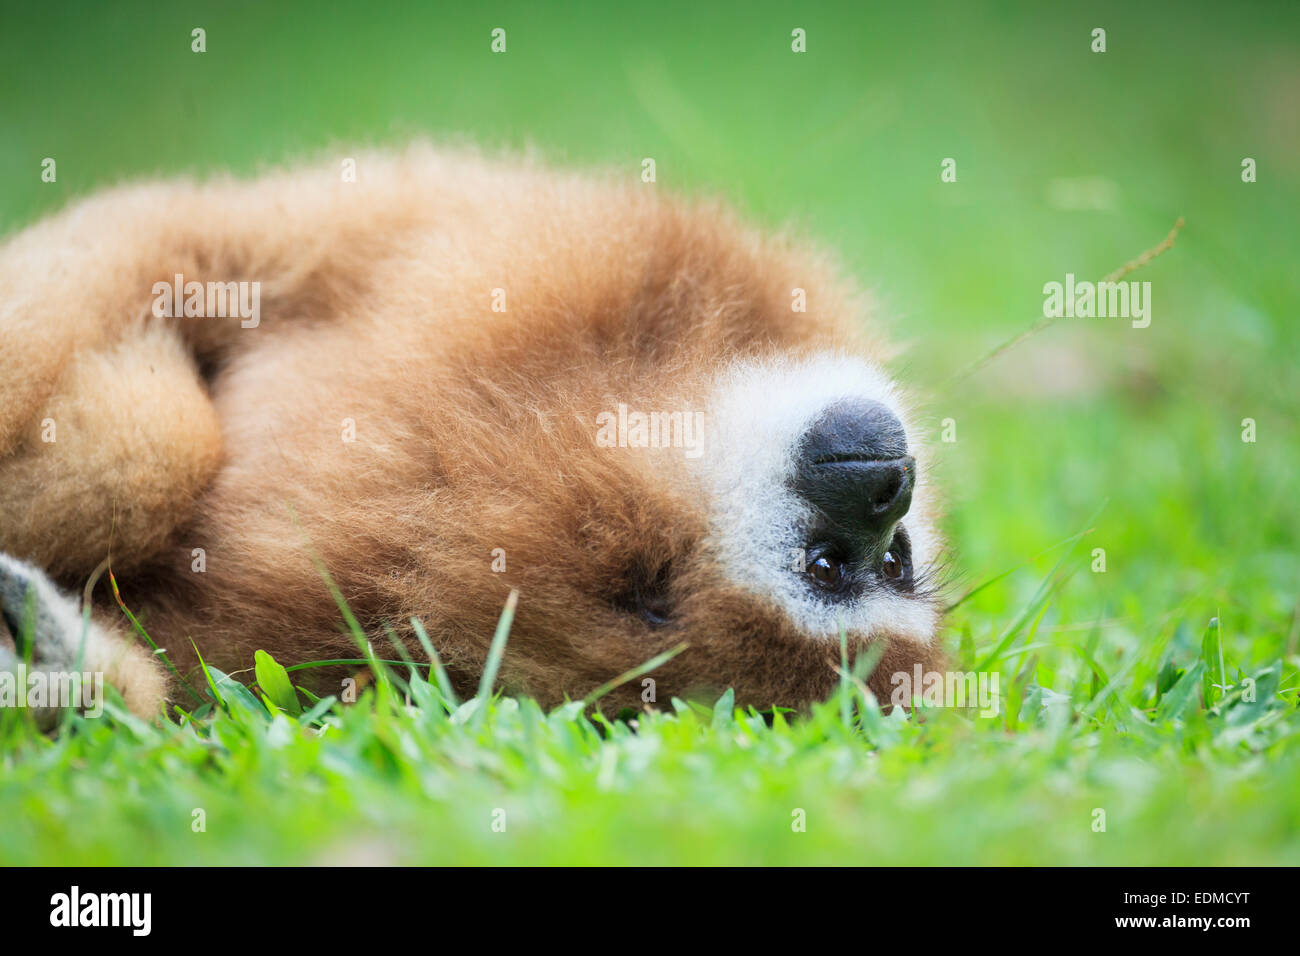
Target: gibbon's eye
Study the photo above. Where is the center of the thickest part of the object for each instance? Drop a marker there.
(826, 572)
(655, 609)
(647, 597)
(896, 564)
(892, 565)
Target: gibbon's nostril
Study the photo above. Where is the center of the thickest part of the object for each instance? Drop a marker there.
(859, 501)
(885, 489)
(852, 466)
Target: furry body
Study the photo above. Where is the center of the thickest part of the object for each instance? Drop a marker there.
(431, 452)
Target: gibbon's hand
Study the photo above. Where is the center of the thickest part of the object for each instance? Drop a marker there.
(41, 640)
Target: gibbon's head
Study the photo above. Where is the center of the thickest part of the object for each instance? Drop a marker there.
(655, 446)
(753, 516)
(792, 507)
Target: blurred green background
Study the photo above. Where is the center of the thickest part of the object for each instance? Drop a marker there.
(1067, 161)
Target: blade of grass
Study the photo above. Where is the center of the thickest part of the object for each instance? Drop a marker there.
(496, 651)
(846, 704)
(335, 662)
(437, 671)
(1131, 266)
(1024, 564)
(158, 651)
(655, 662)
(1045, 590)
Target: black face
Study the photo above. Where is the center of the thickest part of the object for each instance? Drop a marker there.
(853, 469)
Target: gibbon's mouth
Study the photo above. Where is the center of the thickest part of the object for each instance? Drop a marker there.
(853, 430)
(840, 459)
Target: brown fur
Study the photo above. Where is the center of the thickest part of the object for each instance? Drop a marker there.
(474, 429)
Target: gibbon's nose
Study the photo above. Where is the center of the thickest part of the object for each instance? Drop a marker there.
(852, 466)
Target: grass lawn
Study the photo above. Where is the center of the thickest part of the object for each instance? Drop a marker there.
(1158, 696)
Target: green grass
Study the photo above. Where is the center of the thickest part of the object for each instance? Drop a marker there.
(1132, 436)
(409, 774)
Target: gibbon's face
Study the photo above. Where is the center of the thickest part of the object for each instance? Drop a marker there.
(815, 500)
(790, 505)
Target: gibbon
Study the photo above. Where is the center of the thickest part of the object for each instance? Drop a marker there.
(437, 381)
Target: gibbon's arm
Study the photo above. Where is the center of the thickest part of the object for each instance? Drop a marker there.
(83, 280)
(107, 430)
